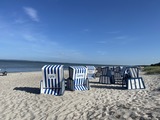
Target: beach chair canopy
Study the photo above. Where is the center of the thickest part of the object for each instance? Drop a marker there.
(105, 71)
(91, 67)
(134, 72)
(117, 69)
(77, 72)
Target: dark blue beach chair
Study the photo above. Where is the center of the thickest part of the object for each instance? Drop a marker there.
(106, 77)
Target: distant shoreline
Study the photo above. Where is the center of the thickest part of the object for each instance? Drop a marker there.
(13, 66)
(63, 63)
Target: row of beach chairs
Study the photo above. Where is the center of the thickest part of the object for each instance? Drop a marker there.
(128, 77)
(53, 81)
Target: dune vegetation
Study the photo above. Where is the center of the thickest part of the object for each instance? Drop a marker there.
(152, 69)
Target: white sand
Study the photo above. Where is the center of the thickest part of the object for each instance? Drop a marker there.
(20, 100)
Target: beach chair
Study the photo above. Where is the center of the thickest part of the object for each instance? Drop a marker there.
(106, 77)
(3, 72)
(91, 72)
(132, 79)
(53, 81)
(117, 78)
(78, 78)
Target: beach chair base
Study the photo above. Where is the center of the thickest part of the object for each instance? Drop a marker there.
(105, 80)
(52, 91)
(78, 84)
(91, 78)
(134, 83)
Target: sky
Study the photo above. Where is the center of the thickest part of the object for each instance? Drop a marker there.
(125, 32)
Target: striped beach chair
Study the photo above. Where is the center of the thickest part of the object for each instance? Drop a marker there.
(132, 79)
(78, 78)
(106, 77)
(91, 72)
(53, 81)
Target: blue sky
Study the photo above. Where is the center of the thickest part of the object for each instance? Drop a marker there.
(81, 31)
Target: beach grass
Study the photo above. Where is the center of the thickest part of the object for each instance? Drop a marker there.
(152, 70)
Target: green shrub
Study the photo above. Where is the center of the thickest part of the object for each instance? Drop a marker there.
(152, 70)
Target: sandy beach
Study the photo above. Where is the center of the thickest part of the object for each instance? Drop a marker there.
(20, 99)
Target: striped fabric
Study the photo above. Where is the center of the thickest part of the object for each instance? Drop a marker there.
(134, 72)
(53, 81)
(78, 78)
(79, 84)
(76, 72)
(135, 83)
(91, 72)
(132, 80)
(104, 79)
(105, 70)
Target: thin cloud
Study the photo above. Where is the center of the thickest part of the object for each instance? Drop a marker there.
(121, 37)
(19, 21)
(32, 13)
(29, 38)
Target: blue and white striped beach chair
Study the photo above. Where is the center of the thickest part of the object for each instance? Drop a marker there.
(133, 81)
(91, 72)
(53, 81)
(78, 78)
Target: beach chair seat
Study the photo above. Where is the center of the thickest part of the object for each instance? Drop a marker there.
(135, 83)
(78, 78)
(105, 79)
(53, 81)
(117, 77)
(78, 84)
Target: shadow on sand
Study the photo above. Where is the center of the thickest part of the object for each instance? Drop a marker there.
(108, 87)
(93, 82)
(28, 89)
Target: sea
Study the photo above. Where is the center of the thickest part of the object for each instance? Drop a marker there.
(30, 66)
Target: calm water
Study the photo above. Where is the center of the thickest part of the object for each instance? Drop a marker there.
(27, 66)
